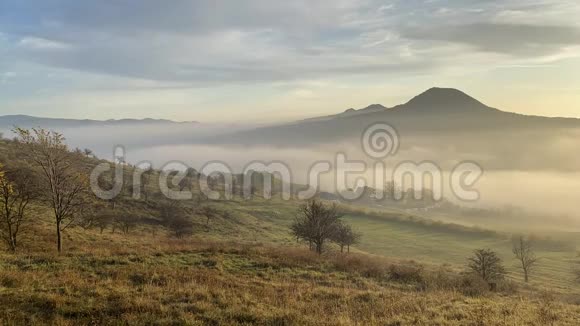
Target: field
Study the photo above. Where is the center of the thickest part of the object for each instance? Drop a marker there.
(397, 235)
(242, 266)
(129, 279)
(427, 244)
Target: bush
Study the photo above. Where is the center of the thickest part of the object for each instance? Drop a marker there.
(507, 287)
(406, 273)
(546, 309)
(473, 285)
(363, 265)
(441, 279)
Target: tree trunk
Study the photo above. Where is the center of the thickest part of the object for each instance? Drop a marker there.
(348, 248)
(12, 243)
(341, 248)
(58, 238)
(526, 277)
(319, 248)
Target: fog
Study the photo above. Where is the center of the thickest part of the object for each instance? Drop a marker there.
(543, 176)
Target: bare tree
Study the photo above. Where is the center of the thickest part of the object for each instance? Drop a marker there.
(126, 222)
(104, 220)
(176, 219)
(316, 223)
(17, 189)
(487, 265)
(90, 214)
(147, 175)
(345, 236)
(524, 253)
(63, 183)
(88, 152)
(182, 226)
(209, 213)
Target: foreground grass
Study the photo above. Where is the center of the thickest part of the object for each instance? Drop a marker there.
(134, 281)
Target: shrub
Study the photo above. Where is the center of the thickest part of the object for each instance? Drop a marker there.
(406, 273)
(507, 287)
(363, 265)
(441, 279)
(473, 285)
(546, 309)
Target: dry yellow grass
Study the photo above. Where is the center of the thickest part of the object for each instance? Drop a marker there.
(112, 279)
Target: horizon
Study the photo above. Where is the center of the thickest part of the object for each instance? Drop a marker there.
(283, 121)
(269, 63)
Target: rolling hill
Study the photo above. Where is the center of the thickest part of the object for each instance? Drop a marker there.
(26, 121)
(437, 110)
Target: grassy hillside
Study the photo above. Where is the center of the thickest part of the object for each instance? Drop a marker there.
(425, 243)
(243, 267)
(117, 279)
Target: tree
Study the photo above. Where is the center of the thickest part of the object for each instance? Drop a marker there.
(524, 253)
(61, 178)
(107, 181)
(17, 190)
(487, 265)
(104, 220)
(147, 175)
(316, 223)
(209, 213)
(345, 236)
(126, 222)
(176, 219)
(90, 215)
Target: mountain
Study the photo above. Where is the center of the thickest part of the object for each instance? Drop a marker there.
(444, 101)
(25, 121)
(435, 111)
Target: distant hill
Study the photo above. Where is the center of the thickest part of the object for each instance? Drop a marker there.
(438, 110)
(26, 121)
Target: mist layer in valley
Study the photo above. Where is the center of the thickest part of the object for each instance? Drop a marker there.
(539, 173)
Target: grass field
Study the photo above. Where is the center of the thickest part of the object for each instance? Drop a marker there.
(113, 279)
(242, 266)
(398, 235)
(423, 243)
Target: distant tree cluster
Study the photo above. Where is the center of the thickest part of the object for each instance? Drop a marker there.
(318, 224)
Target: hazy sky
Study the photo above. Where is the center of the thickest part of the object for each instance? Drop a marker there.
(267, 60)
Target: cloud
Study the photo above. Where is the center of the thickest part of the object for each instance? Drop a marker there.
(36, 43)
(213, 44)
(515, 39)
(196, 41)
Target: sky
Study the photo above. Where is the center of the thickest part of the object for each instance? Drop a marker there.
(272, 61)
